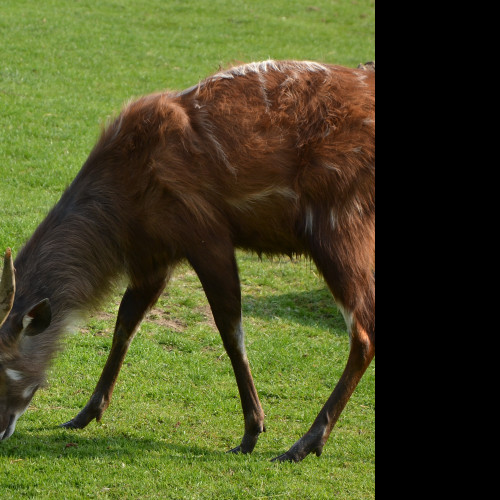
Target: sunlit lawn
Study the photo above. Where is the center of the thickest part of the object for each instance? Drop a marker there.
(65, 67)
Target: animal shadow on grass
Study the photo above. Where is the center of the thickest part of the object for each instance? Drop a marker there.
(315, 308)
(57, 446)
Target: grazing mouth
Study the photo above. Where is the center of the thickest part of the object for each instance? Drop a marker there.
(10, 428)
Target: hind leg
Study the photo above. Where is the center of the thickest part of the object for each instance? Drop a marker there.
(361, 353)
(353, 286)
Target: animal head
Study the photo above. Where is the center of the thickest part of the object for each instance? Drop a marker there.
(19, 378)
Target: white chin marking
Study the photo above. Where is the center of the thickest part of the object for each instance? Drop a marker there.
(29, 391)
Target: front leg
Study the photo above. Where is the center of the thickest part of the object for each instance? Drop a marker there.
(133, 307)
(217, 269)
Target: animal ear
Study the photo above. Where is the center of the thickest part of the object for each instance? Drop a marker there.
(38, 319)
(7, 287)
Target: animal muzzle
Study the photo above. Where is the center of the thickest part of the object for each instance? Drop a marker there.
(9, 430)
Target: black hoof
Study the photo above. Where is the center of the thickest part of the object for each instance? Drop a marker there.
(299, 451)
(70, 425)
(286, 457)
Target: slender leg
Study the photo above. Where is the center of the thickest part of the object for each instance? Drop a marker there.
(134, 305)
(360, 356)
(218, 274)
(353, 286)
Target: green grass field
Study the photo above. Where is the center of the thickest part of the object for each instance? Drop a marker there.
(65, 67)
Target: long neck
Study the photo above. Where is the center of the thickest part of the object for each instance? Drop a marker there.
(74, 255)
